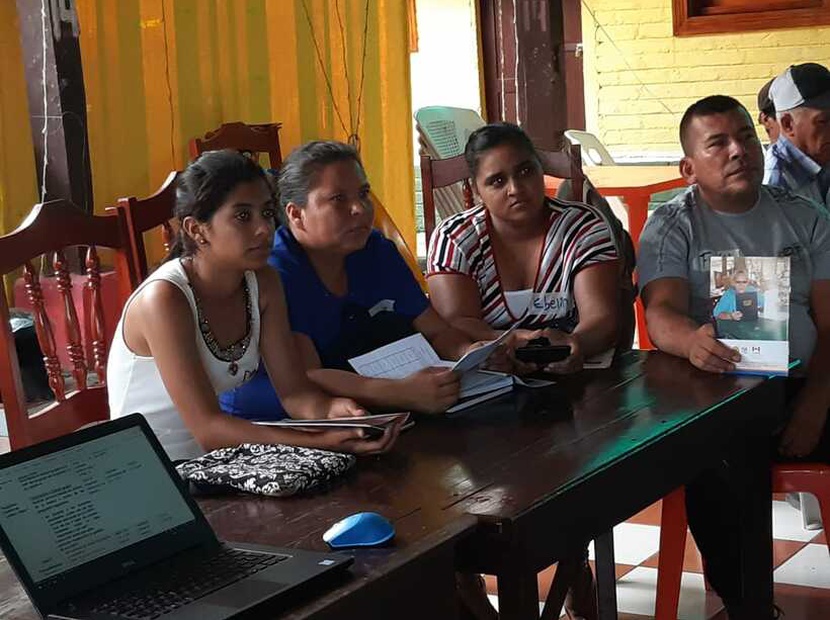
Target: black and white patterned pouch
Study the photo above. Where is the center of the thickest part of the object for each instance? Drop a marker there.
(274, 470)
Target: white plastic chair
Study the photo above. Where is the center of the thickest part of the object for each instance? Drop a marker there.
(594, 152)
(444, 130)
(442, 133)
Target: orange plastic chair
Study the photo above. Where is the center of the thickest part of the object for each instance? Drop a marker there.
(51, 229)
(786, 478)
(805, 478)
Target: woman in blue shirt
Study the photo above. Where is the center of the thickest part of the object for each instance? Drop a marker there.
(348, 291)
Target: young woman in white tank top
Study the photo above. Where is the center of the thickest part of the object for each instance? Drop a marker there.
(200, 324)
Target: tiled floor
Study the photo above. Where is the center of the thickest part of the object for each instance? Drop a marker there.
(802, 570)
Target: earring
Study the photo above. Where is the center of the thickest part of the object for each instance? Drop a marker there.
(201, 240)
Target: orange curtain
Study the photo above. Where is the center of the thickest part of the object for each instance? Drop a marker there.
(412, 22)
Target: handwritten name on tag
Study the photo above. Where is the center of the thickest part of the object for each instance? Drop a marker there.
(558, 304)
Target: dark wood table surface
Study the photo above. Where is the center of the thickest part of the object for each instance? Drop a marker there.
(509, 487)
(637, 431)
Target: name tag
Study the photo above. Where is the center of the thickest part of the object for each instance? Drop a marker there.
(557, 304)
(384, 305)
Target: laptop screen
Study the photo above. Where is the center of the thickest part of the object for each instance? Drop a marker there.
(72, 506)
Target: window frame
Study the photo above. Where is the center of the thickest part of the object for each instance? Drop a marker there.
(686, 22)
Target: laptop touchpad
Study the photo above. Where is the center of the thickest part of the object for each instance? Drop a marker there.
(244, 593)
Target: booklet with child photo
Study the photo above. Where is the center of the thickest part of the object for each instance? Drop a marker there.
(750, 309)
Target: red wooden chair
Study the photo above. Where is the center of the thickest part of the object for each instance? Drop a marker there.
(786, 478)
(49, 230)
(251, 140)
(142, 215)
(441, 173)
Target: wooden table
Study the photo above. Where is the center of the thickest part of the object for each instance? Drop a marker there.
(412, 579)
(510, 487)
(637, 432)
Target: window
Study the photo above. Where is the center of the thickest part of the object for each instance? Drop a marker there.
(693, 17)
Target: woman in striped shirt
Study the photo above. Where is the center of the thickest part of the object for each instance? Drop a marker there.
(519, 258)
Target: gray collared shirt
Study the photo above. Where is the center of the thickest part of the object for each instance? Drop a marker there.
(683, 235)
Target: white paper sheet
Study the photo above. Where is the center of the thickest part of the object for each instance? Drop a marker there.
(398, 359)
(476, 357)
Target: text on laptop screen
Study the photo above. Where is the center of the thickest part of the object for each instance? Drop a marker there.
(64, 509)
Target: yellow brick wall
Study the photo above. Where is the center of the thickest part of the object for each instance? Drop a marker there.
(639, 82)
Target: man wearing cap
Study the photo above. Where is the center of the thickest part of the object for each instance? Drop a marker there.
(766, 113)
(800, 158)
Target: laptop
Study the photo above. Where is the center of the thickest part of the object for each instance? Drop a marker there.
(747, 303)
(97, 526)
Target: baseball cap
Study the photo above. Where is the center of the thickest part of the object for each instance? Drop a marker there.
(806, 85)
(765, 104)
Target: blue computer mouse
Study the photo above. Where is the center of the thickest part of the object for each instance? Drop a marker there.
(363, 529)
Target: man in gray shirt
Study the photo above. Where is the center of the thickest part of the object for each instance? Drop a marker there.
(727, 212)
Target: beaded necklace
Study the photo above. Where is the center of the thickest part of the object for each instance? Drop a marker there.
(234, 351)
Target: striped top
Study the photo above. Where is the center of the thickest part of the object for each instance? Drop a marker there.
(577, 237)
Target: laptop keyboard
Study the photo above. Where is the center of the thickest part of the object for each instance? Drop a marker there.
(181, 585)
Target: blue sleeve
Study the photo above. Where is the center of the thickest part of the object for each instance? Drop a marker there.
(254, 400)
(398, 281)
(726, 303)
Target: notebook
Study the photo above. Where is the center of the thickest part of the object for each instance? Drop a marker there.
(96, 525)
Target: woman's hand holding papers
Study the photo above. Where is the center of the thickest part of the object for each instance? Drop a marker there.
(431, 390)
(345, 408)
(500, 360)
(354, 441)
